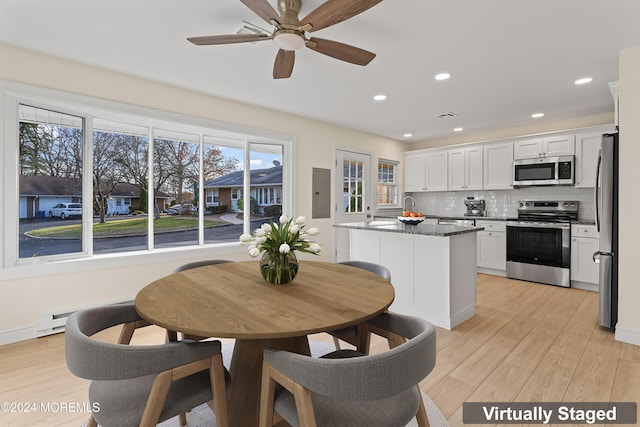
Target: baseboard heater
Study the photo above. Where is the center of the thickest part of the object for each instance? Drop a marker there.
(54, 323)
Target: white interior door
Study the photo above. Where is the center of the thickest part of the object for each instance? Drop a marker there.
(352, 196)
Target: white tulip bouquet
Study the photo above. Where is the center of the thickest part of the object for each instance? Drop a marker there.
(278, 242)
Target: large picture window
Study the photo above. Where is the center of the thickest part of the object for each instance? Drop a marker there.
(94, 182)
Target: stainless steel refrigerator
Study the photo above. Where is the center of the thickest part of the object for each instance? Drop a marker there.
(606, 201)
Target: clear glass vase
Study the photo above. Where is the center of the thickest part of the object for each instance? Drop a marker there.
(279, 268)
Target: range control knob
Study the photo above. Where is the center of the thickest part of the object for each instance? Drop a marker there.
(565, 205)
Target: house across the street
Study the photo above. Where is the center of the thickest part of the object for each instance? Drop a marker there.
(266, 188)
(39, 194)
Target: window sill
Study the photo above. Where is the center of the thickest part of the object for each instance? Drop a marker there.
(46, 267)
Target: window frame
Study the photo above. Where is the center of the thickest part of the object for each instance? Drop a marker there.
(14, 94)
(395, 183)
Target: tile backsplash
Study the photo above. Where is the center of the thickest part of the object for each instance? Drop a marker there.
(503, 203)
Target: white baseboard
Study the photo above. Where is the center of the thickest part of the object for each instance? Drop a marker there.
(16, 335)
(626, 335)
(593, 287)
(441, 321)
(491, 271)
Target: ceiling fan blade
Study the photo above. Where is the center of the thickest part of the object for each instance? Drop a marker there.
(341, 51)
(227, 39)
(263, 9)
(332, 12)
(283, 67)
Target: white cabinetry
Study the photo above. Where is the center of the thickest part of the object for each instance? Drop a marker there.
(587, 149)
(584, 242)
(498, 166)
(548, 146)
(492, 246)
(465, 168)
(434, 277)
(415, 171)
(426, 171)
(436, 171)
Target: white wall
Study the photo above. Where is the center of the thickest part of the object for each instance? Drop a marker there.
(629, 283)
(22, 300)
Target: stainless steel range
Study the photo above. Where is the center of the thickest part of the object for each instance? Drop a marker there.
(539, 243)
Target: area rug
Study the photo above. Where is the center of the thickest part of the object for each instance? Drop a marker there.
(202, 416)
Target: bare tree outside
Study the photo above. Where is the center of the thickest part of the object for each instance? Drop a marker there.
(107, 173)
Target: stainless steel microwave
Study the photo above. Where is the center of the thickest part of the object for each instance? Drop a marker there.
(544, 171)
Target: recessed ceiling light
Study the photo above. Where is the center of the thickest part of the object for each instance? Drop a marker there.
(408, 135)
(443, 76)
(537, 115)
(380, 97)
(458, 129)
(583, 81)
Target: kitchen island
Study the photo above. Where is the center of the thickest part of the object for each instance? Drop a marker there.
(433, 266)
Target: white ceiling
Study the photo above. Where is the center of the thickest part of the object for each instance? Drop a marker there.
(508, 58)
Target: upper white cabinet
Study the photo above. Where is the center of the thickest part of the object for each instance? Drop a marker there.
(415, 171)
(465, 168)
(587, 149)
(498, 166)
(548, 146)
(436, 171)
(426, 171)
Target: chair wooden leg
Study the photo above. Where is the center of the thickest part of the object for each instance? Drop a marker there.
(126, 333)
(219, 388)
(421, 415)
(336, 342)
(182, 419)
(267, 395)
(156, 399)
(363, 338)
(306, 415)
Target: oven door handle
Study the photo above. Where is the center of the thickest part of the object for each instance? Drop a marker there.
(535, 225)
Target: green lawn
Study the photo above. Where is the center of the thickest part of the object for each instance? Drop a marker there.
(125, 227)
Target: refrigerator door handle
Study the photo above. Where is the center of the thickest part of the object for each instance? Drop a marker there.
(596, 256)
(597, 191)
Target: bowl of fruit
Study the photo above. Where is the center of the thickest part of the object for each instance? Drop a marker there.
(411, 218)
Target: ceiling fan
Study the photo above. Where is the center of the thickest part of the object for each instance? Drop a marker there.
(291, 33)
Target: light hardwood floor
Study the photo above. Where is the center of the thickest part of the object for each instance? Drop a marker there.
(527, 342)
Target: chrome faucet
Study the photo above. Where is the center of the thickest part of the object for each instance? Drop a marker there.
(404, 202)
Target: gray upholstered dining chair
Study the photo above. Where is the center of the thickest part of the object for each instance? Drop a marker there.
(356, 335)
(142, 384)
(347, 388)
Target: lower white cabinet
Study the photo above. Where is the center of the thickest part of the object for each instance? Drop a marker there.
(492, 245)
(584, 242)
(434, 277)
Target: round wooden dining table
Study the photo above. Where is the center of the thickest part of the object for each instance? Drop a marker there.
(232, 300)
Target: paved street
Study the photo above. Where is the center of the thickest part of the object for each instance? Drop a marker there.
(30, 247)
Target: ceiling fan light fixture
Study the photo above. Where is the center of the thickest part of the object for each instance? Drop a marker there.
(289, 39)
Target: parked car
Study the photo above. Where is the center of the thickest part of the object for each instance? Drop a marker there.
(182, 210)
(66, 210)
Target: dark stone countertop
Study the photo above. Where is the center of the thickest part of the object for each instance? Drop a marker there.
(396, 226)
